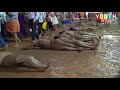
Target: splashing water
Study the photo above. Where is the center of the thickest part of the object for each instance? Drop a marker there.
(109, 49)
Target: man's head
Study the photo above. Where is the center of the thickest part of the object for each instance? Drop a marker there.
(39, 44)
(72, 29)
(56, 37)
(60, 33)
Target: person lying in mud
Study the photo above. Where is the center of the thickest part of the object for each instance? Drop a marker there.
(71, 35)
(61, 44)
(73, 32)
(91, 44)
(8, 59)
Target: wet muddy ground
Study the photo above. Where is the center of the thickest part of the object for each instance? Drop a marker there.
(63, 64)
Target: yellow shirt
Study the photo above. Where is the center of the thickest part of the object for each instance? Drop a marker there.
(44, 25)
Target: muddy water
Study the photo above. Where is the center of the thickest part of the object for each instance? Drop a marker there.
(102, 63)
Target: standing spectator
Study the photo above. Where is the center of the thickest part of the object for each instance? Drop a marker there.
(81, 15)
(49, 21)
(21, 19)
(2, 20)
(54, 21)
(86, 15)
(62, 16)
(59, 18)
(118, 16)
(44, 26)
(33, 19)
(41, 19)
(13, 26)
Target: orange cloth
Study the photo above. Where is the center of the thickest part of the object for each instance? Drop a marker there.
(118, 14)
(13, 26)
(81, 13)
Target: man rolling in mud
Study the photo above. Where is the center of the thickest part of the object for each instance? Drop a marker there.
(61, 44)
(80, 36)
(8, 59)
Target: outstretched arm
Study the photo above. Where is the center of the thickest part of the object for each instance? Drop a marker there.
(30, 61)
(68, 44)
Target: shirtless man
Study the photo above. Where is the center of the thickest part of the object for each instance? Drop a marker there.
(81, 38)
(80, 34)
(61, 44)
(8, 59)
(54, 44)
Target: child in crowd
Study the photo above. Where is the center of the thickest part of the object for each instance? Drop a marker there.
(49, 21)
(54, 21)
(44, 26)
(59, 19)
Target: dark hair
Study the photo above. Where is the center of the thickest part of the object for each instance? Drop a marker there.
(71, 29)
(61, 32)
(56, 37)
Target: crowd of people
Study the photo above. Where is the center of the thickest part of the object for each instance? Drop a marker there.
(30, 24)
(24, 24)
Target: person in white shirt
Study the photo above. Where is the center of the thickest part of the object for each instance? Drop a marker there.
(33, 19)
(54, 21)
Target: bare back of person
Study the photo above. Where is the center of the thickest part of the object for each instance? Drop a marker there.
(56, 44)
(42, 44)
(12, 60)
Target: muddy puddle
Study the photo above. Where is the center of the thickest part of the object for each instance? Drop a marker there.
(104, 62)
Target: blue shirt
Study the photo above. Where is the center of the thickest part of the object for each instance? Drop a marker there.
(14, 16)
(42, 16)
(2, 17)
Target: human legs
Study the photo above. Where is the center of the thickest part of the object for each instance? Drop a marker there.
(13, 27)
(80, 43)
(32, 25)
(44, 30)
(68, 44)
(16, 39)
(2, 42)
(69, 48)
(39, 29)
(50, 27)
(86, 33)
(3, 31)
(83, 44)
